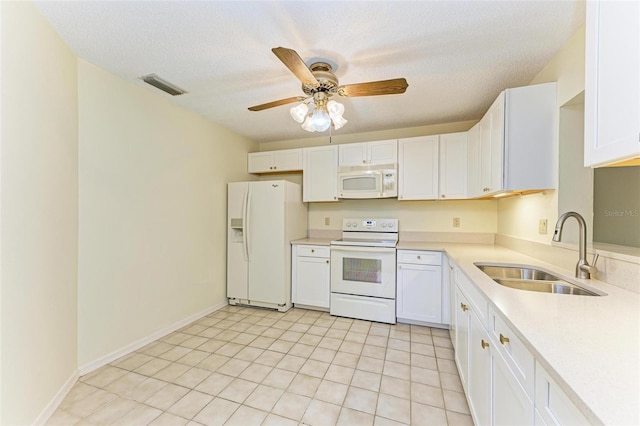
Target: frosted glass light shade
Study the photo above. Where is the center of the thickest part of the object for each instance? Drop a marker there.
(307, 125)
(338, 122)
(335, 108)
(299, 112)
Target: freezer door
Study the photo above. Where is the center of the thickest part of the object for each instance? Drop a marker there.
(266, 242)
(237, 262)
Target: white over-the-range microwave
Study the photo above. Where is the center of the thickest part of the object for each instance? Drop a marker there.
(375, 181)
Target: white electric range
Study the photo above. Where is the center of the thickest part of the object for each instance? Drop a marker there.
(363, 272)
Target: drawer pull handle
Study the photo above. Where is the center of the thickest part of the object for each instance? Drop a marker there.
(464, 307)
(503, 339)
(484, 344)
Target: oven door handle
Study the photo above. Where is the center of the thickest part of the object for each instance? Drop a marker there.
(364, 249)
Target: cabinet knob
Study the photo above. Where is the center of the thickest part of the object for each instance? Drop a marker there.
(327, 261)
(464, 307)
(503, 339)
(274, 167)
(364, 161)
(419, 257)
(484, 344)
(443, 196)
(313, 250)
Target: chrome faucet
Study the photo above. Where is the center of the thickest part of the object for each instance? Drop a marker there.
(583, 269)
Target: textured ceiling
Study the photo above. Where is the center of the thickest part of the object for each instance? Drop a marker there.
(456, 55)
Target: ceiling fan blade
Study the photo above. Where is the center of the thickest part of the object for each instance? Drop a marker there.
(277, 103)
(374, 88)
(296, 65)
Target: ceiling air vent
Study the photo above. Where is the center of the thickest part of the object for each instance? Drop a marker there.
(163, 85)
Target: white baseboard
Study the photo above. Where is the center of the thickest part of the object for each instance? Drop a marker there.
(52, 406)
(106, 359)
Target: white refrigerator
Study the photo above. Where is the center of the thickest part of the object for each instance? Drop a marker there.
(263, 218)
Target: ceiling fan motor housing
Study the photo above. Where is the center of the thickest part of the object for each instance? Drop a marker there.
(327, 80)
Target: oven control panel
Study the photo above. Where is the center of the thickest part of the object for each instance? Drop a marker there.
(370, 225)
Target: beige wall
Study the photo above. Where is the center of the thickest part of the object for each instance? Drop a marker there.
(519, 216)
(152, 236)
(39, 216)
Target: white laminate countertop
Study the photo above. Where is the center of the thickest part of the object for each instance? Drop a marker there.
(589, 345)
(313, 241)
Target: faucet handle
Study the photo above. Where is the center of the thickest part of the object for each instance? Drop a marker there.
(595, 259)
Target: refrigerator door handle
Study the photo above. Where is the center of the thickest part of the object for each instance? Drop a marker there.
(247, 226)
(245, 253)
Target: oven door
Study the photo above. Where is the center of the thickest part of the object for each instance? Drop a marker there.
(363, 271)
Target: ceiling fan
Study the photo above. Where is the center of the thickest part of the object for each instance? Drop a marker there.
(319, 84)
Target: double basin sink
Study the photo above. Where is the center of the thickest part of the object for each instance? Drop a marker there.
(531, 279)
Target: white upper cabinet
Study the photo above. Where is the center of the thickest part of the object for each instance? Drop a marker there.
(320, 174)
(368, 153)
(453, 166)
(612, 82)
(286, 160)
(474, 188)
(517, 141)
(418, 168)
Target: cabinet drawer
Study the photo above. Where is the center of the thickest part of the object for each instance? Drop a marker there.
(312, 251)
(479, 303)
(420, 257)
(517, 356)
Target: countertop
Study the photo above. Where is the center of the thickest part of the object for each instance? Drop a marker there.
(589, 345)
(313, 241)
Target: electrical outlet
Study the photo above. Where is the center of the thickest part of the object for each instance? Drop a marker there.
(456, 222)
(327, 221)
(542, 226)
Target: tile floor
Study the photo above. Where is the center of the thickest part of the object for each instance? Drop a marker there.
(248, 366)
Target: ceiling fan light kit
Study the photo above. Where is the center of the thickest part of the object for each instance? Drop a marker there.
(319, 83)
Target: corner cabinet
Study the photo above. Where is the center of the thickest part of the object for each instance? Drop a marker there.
(320, 174)
(517, 137)
(612, 82)
(368, 153)
(421, 296)
(453, 166)
(311, 274)
(286, 160)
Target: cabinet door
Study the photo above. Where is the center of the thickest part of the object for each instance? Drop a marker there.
(418, 168)
(612, 82)
(352, 154)
(453, 166)
(461, 329)
(474, 188)
(552, 404)
(312, 281)
(383, 152)
(496, 117)
(260, 162)
(419, 292)
(479, 386)
(287, 160)
(319, 174)
(484, 129)
(511, 405)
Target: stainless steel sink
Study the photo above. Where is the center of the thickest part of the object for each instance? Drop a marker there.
(531, 279)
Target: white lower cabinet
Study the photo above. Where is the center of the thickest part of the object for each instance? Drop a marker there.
(503, 382)
(311, 276)
(553, 406)
(420, 287)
